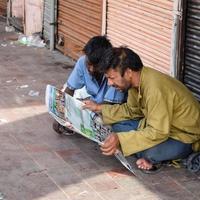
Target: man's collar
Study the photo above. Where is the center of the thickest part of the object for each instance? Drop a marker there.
(141, 83)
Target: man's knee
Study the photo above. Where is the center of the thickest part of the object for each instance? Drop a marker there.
(169, 150)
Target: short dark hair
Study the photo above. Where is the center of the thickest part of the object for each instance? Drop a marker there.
(95, 48)
(121, 58)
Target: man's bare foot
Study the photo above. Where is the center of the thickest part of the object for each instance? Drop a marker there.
(143, 164)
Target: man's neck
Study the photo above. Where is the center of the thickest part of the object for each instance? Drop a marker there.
(136, 79)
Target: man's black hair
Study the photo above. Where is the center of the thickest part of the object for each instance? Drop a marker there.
(121, 58)
(95, 48)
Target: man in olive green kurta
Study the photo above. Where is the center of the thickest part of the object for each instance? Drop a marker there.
(170, 124)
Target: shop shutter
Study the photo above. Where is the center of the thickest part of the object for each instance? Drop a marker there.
(144, 26)
(192, 48)
(78, 21)
(46, 20)
(3, 7)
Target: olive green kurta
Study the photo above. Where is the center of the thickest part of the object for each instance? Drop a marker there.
(167, 107)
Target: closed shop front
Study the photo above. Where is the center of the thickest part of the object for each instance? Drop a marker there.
(78, 21)
(144, 26)
(3, 7)
(191, 76)
(47, 19)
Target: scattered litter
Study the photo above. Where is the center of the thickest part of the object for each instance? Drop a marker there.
(33, 93)
(3, 121)
(11, 43)
(23, 86)
(4, 45)
(33, 40)
(36, 172)
(9, 29)
(2, 196)
(22, 39)
(83, 193)
(9, 81)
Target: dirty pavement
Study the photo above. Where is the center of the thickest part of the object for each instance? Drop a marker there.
(37, 164)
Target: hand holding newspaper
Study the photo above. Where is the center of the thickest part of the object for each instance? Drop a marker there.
(67, 110)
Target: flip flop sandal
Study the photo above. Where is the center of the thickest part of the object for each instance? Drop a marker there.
(57, 127)
(68, 132)
(155, 169)
(62, 130)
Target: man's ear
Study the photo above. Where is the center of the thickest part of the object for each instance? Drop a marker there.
(128, 72)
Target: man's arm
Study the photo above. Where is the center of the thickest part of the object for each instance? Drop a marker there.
(76, 78)
(117, 112)
(159, 113)
(158, 121)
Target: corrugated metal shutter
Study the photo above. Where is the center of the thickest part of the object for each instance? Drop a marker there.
(144, 26)
(46, 20)
(192, 48)
(3, 7)
(78, 21)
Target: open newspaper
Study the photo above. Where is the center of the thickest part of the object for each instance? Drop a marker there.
(65, 108)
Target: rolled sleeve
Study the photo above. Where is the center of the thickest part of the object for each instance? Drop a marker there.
(76, 78)
(119, 112)
(116, 113)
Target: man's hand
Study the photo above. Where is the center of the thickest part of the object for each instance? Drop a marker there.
(110, 145)
(91, 105)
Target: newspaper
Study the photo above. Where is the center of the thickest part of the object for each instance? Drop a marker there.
(65, 108)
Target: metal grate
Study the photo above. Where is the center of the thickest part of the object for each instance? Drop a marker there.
(192, 48)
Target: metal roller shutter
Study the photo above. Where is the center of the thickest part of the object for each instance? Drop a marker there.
(144, 26)
(78, 21)
(3, 7)
(46, 19)
(192, 48)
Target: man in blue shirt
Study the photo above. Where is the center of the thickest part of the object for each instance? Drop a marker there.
(89, 79)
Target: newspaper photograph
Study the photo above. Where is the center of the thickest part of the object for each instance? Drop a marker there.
(65, 108)
(55, 102)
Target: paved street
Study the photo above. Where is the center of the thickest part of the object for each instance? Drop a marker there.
(38, 164)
